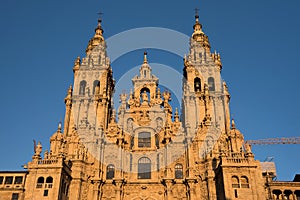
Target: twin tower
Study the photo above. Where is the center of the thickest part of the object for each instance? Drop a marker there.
(146, 149)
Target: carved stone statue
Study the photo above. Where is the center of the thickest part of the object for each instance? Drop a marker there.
(144, 96)
(130, 124)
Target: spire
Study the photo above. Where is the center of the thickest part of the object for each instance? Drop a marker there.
(198, 35)
(197, 25)
(145, 70)
(98, 30)
(145, 57)
(97, 39)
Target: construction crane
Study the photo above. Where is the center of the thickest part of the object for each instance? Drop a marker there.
(290, 140)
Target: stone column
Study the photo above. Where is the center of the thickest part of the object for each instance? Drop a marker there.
(191, 189)
(96, 189)
(119, 184)
(168, 184)
(294, 196)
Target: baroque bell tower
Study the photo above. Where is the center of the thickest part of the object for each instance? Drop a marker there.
(93, 88)
(205, 94)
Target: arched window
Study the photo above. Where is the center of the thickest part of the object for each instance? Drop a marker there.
(211, 84)
(235, 182)
(96, 84)
(178, 171)
(110, 171)
(197, 84)
(82, 87)
(144, 139)
(40, 182)
(244, 182)
(144, 168)
(288, 194)
(276, 194)
(49, 181)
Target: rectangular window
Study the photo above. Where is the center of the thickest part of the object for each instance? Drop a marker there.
(45, 193)
(144, 171)
(19, 180)
(144, 139)
(9, 179)
(144, 168)
(15, 196)
(1, 179)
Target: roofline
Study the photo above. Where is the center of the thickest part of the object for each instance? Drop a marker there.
(10, 172)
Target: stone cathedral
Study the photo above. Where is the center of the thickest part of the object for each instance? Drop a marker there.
(145, 149)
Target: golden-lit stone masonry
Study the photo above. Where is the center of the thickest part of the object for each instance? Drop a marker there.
(146, 149)
(12, 185)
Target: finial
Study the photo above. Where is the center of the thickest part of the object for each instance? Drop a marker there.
(99, 30)
(77, 61)
(100, 15)
(99, 18)
(232, 124)
(176, 116)
(34, 145)
(113, 116)
(76, 64)
(145, 57)
(59, 127)
(130, 94)
(158, 91)
(196, 14)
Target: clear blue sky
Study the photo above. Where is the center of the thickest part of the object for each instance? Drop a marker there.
(258, 41)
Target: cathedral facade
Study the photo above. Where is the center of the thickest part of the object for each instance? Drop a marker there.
(146, 149)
